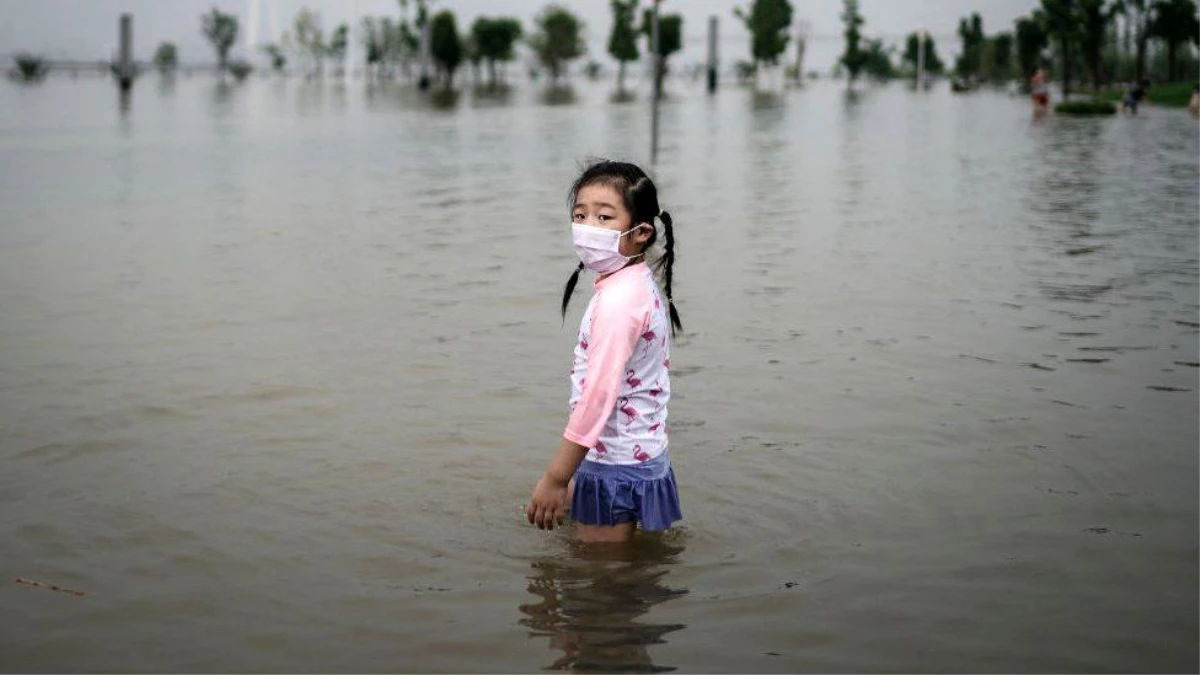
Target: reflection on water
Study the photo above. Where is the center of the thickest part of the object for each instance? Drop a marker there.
(620, 96)
(561, 94)
(488, 95)
(444, 100)
(589, 605)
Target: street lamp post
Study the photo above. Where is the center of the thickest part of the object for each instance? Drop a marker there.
(657, 61)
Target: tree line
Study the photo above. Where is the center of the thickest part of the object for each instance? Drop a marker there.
(392, 46)
(1097, 41)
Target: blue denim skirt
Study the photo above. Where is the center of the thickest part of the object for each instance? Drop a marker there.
(609, 494)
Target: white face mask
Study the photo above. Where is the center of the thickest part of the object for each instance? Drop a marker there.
(599, 248)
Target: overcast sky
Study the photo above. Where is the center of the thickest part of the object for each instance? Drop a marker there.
(87, 29)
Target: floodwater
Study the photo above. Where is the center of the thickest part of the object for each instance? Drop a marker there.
(281, 363)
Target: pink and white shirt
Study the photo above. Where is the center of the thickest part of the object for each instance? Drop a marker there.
(619, 381)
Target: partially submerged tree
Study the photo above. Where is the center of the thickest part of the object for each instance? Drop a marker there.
(166, 57)
(622, 43)
(558, 40)
(670, 40)
(339, 40)
(970, 31)
(1062, 22)
(374, 42)
(1095, 18)
(912, 50)
(854, 57)
(1031, 42)
(998, 57)
(1175, 24)
(878, 61)
(275, 54)
(221, 31)
(495, 40)
(1138, 14)
(446, 46)
(768, 22)
(30, 67)
(310, 38)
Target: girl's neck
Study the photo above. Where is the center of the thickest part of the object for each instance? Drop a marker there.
(641, 257)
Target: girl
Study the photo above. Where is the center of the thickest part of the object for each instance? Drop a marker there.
(615, 444)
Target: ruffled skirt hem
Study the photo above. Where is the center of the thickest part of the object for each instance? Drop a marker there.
(608, 500)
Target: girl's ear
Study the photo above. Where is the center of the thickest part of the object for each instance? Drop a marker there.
(643, 233)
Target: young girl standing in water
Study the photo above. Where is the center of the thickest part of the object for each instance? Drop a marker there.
(615, 443)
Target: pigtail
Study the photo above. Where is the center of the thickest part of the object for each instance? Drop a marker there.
(570, 289)
(665, 265)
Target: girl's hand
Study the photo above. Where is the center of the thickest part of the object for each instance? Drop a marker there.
(548, 503)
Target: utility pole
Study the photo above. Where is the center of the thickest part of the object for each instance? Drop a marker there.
(712, 54)
(423, 82)
(125, 65)
(920, 59)
(802, 46)
(657, 60)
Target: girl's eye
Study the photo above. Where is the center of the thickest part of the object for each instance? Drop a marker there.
(578, 217)
(605, 217)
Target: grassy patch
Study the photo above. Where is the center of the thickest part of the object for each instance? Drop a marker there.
(1174, 95)
(1092, 107)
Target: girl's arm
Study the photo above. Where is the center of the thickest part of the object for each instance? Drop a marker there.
(617, 323)
(549, 501)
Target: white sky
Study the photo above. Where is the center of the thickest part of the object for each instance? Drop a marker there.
(87, 29)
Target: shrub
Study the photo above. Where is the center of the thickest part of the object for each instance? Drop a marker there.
(1088, 107)
(30, 67)
(240, 69)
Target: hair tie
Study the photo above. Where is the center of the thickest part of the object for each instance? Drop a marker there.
(660, 212)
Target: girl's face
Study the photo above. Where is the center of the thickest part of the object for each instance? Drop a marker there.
(600, 205)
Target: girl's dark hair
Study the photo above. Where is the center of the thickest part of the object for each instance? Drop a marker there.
(641, 200)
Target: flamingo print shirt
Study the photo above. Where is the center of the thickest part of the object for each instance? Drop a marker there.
(619, 381)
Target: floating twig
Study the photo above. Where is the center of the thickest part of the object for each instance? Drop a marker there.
(52, 587)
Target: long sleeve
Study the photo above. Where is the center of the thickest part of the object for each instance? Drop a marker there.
(617, 323)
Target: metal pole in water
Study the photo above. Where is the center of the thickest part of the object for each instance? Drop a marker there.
(712, 54)
(125, 59)
(423, 81)
(801, 47)
(921, 59)
(657, 61)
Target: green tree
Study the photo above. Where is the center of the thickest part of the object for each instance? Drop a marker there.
(622, 43)
(374, 42)
(1031, 42)
(971, 33)
(1000, 52)
(495, 40)
(408, 42)
(878, 61)
(278, 58)
(1096, 16)
(558, 40)
(912, 48)
(339, 39)
(768, 22)
(1138, 14)
(221, 31)
(166, 57)
(670, 40)
(1062, 19)
(1175, 23)
(30, 67)
(445, 45)
(854, 57)
(309, 37)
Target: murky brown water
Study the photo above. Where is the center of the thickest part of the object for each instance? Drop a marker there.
(281, 364)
